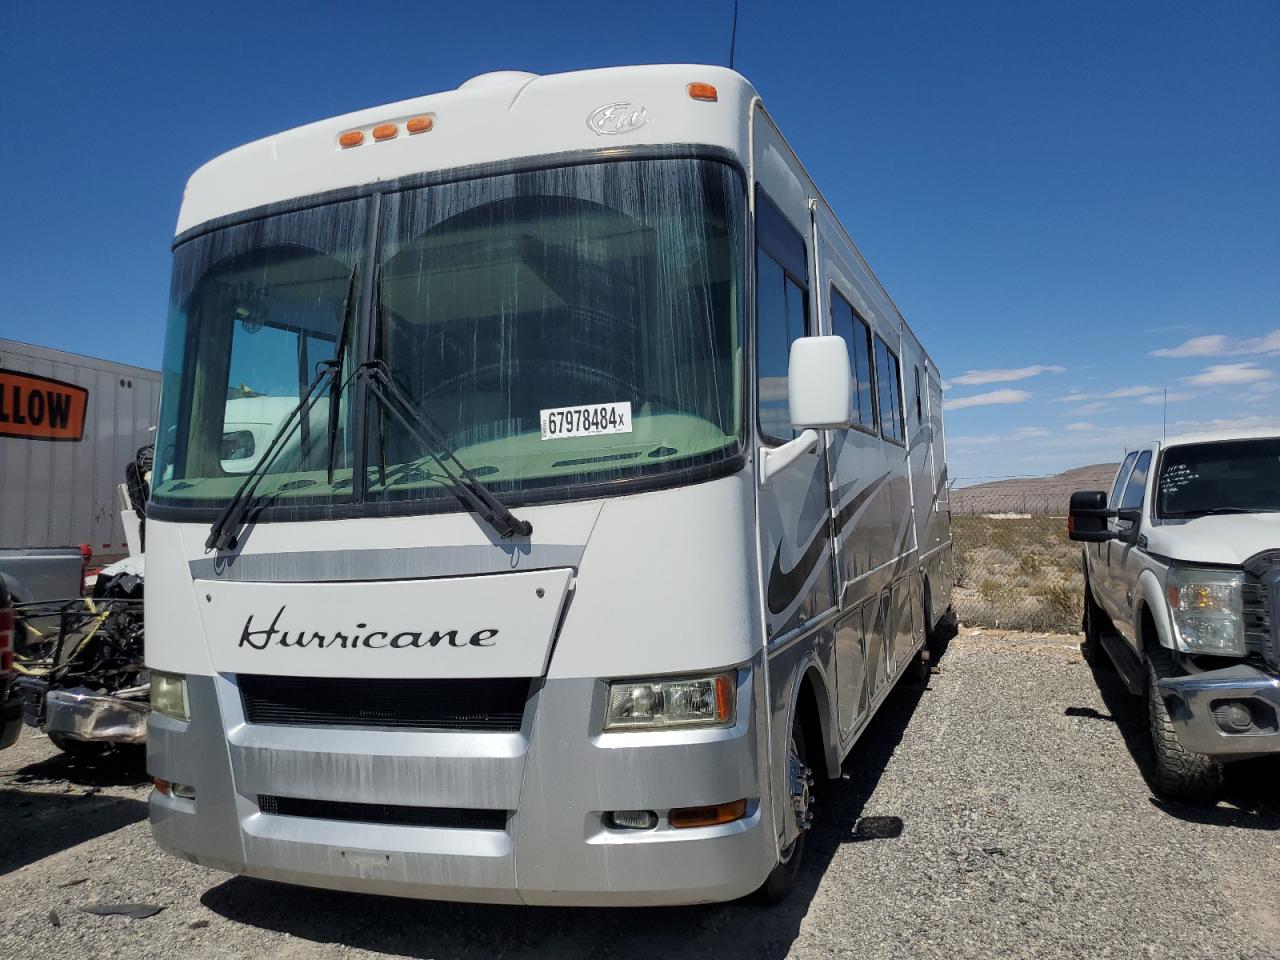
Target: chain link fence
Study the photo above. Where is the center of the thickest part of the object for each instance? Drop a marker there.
(1015, 567)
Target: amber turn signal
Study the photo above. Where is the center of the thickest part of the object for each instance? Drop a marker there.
(703, 91)
(684, 817)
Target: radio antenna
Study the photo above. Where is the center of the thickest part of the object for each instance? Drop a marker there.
(733, 33)
(1166, 414)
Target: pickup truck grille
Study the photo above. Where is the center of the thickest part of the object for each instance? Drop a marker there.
(1261, 596)
(489, 705)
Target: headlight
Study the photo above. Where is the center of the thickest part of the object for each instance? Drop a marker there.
(662, 704)
(1208, 609)
(169, 695)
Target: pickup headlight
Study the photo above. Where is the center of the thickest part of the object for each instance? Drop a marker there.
(679, 702)
(1208, 609)
(169, 695)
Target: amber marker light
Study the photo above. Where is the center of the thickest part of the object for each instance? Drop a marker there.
(418, 124)
(703, 91)
(163, 786)
(385, 131)
(352, 138)
(683, 818)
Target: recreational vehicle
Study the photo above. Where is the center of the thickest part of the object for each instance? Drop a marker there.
(609, 505)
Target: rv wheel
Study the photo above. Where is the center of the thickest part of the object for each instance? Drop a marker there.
(800, 783)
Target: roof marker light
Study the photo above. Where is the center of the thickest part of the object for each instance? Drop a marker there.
(352, 138)
(385, 131)
(703, 91)
(419, 124)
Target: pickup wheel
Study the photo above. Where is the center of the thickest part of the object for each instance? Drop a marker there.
(1177, 773)
(1093, 624)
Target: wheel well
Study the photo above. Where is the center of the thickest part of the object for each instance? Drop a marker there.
(812, 724)
(1148, 634)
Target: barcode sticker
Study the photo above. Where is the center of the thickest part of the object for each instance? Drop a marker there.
(585, 421)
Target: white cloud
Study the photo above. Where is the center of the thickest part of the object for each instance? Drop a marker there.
(1157, 399)
(1084, 409)
(987, 399)
(1137, 390)
(1220, 345)
(1080, 427)
(974, 378)
(1221, 374)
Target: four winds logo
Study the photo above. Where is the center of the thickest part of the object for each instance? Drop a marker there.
(615, 118)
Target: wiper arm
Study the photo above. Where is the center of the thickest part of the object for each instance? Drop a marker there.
(479, 498)
(226, 529)
(335, 394)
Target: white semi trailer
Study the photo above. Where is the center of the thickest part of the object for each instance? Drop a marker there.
(609, 504)
(69, 425)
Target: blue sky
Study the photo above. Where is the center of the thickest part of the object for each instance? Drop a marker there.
(1076, 206)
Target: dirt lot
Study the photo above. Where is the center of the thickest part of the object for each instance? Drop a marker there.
(1027, 830)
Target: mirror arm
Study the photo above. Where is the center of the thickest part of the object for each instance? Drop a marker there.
(774, 460)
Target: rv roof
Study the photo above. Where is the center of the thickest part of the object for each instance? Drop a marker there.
(490, 118)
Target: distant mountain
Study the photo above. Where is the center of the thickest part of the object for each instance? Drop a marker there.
(1032, 495)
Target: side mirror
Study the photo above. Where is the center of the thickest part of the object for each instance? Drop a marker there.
(819, 389)
(819, 393)
(1133, 517)
(1087, 517)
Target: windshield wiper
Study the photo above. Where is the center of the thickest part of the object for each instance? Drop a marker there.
(226, 529)
(1216, 511)
(478, 498)
(335, 394)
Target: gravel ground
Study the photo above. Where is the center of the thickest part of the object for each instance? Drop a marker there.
(1026, 830)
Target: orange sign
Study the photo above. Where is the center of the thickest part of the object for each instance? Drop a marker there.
(37, 408)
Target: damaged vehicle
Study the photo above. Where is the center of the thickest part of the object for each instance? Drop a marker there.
(80, 670)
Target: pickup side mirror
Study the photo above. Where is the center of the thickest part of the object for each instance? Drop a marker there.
(1087, 517)
(1133, 517)
(819, 387)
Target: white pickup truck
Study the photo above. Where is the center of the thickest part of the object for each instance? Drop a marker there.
(1182, 591)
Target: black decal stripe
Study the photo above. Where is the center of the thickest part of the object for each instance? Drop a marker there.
(785, 586)
(851, 509)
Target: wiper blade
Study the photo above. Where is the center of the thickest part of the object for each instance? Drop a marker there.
(1216, 511)
(479, 498)
(225, 531)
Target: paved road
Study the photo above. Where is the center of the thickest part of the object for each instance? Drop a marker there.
(1027, 830)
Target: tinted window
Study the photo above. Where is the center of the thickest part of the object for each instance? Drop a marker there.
(1231, 476)
(919, 401)
(781, 309)
(848, 325)
(889, 380)
(1137, 484)
(1114, 500)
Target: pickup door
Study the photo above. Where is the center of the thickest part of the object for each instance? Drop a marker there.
(42, 573)
(1124, 558)
(1100, 553)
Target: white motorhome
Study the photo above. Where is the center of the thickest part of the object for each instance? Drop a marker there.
(613, 507)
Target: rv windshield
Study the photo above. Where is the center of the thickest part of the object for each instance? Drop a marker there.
(563, 328)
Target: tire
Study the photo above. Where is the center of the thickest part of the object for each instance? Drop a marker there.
(1177, 773)
(782, 878)
(1092, 623)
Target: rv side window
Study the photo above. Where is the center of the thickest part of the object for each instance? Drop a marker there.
(781, 309)
(889, 379)
(857, 337)
(919, 402)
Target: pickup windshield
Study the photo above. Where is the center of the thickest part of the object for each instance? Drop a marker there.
(563, 328)
(1226, 476)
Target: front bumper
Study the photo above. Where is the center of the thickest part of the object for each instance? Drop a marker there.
(1192, 699)
(555, 778)
(79, 713)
